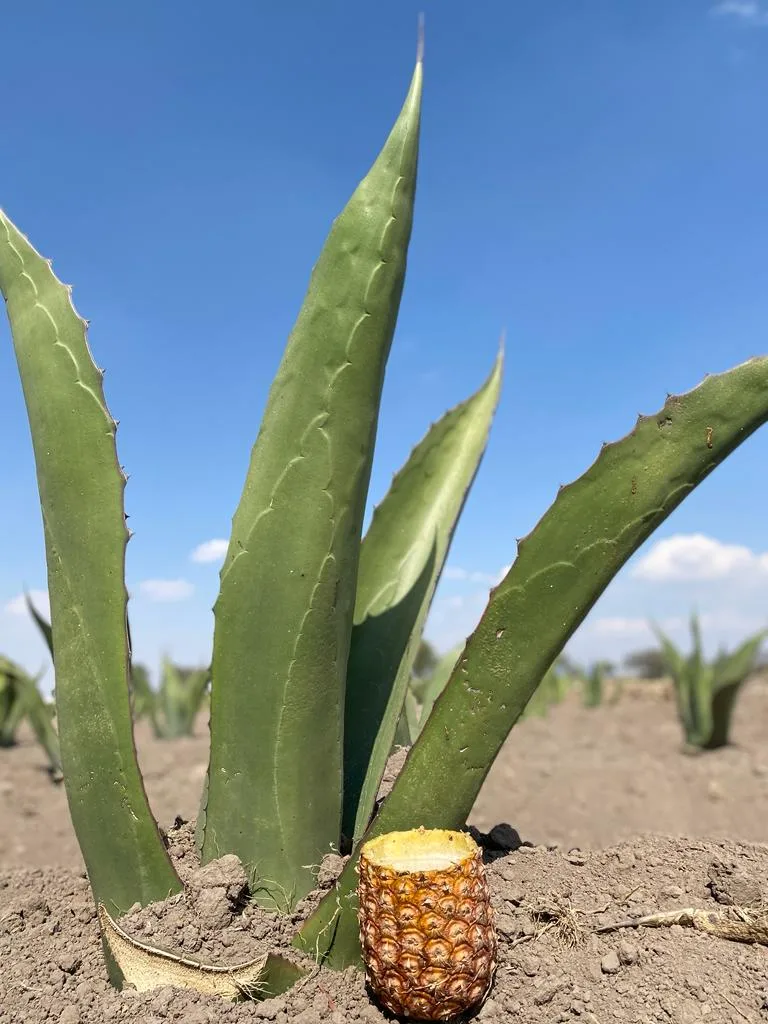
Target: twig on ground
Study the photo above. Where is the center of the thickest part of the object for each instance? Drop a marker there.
(736, 923)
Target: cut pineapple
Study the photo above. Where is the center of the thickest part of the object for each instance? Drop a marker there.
(426, 923)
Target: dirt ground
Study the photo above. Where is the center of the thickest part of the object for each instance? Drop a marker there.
(620, 821)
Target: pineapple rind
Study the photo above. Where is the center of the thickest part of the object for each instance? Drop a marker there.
(428, 936)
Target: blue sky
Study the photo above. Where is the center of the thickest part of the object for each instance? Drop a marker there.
(592, 178)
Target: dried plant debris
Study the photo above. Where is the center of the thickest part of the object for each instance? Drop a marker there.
(739, 924)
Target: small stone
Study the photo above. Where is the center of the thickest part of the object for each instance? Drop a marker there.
(504, 837)
(69, 1015)
(610, 963)
(190, 939)
(507, 926)
(227, 872)
(213, 909)
(514, 895)
(530, 965)
(628, 954)
(68, 962)
(577, 857)
(672, 891)
(549, 990)
(269, 1008)
(161, 1000)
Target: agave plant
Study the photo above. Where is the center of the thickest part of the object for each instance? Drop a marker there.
(593, 680)
(706, 693)
(317, 628)
(21, 700)
(172, 708)
(553, 688)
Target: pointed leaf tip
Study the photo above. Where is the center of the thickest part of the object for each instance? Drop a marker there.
(420, 39)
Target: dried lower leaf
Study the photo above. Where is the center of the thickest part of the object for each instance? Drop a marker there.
(739, 924)
(146, 967)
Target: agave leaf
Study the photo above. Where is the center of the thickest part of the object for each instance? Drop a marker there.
(437, 683)
(195, 686)
(41, 622)
(147, 967)
(411, 530)
(286, 600)
(171, 711)
(562, 567)
(15, 701)
(39, 717)
(411, 714)
(699, 686)
(677, 666)
(81, 496)
(730, 672)
(143, 697)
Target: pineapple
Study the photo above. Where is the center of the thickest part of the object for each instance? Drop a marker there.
(426, 922)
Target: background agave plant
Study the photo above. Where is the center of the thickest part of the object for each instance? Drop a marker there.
(172, 708)
(706, 692)
(22, 701)
(316, 631)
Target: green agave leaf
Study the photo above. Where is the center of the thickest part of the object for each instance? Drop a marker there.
(172, 713)
(81, 496)
(562, 567)
(700, 679)
(677, 666)
(46, 736)
(286, 600)
(436, 684)
(41, 622)
(143, 697)
(411, 713)
(13, 701)
(401, 560)
(729, 674)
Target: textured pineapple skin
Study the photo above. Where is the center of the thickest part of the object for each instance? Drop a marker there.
(428, 938)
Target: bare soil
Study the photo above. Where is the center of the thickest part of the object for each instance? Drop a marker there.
(616, 821)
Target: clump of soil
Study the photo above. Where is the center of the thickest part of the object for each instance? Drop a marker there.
(554, 966)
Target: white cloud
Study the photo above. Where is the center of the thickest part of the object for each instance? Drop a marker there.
(210, 550)
(686, 557)
(18, 604)
(748, 11)
(455, 572)
(166, 590)
(616, 626)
